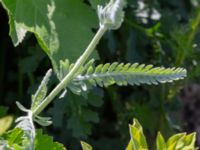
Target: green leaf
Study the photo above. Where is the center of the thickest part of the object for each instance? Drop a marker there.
(179, 141)
(137, 137)
(58, 112)
(41, 92)
(35, 57)
(14, 139)
(79, 127)
(190, 140)
(182, 141)
(174, 140)
(44, 141)
(14, 136)
(130, 145)
(78, 111)
(62, 27)
(94, 3)
(82, 116)
(123, 74)
(86, 146)
(26, 124)
(147, 121)
(5, 123)
(160, 142)
(3, 111)
(43, 121)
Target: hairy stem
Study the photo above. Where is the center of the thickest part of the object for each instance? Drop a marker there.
(74, 70)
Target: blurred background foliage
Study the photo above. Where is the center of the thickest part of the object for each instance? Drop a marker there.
(159, 32)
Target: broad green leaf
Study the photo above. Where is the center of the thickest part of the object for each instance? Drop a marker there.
(182, 141)
(179, 141)
(35, 57)
(187, 142)
(190, 140)
(82, 116)
(28, 130)
(5, 123)
(77, 112)
(174, 140)
(79, 127)
(62, 27)
(13, 137)
(86, 146)
(137, 137)
(160, 142)
(94, 3)
(172, 146)
(58, 112)
(130, 145)
(45, 142)
(3, 111)
(18, 139)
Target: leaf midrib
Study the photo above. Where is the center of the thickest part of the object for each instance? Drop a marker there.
(139, 74)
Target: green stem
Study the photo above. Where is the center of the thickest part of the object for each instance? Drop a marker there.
(31, 78)
(182, 53)
(135, 25)
(20, 83)
(2, 69)
(194, 29)
(74, 70)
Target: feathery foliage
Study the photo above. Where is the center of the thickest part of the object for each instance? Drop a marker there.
(119, 73)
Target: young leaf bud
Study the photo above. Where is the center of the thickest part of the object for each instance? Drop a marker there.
(112, 15)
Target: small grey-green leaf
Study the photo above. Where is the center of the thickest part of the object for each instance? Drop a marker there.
(41, 92)
(105, 67)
